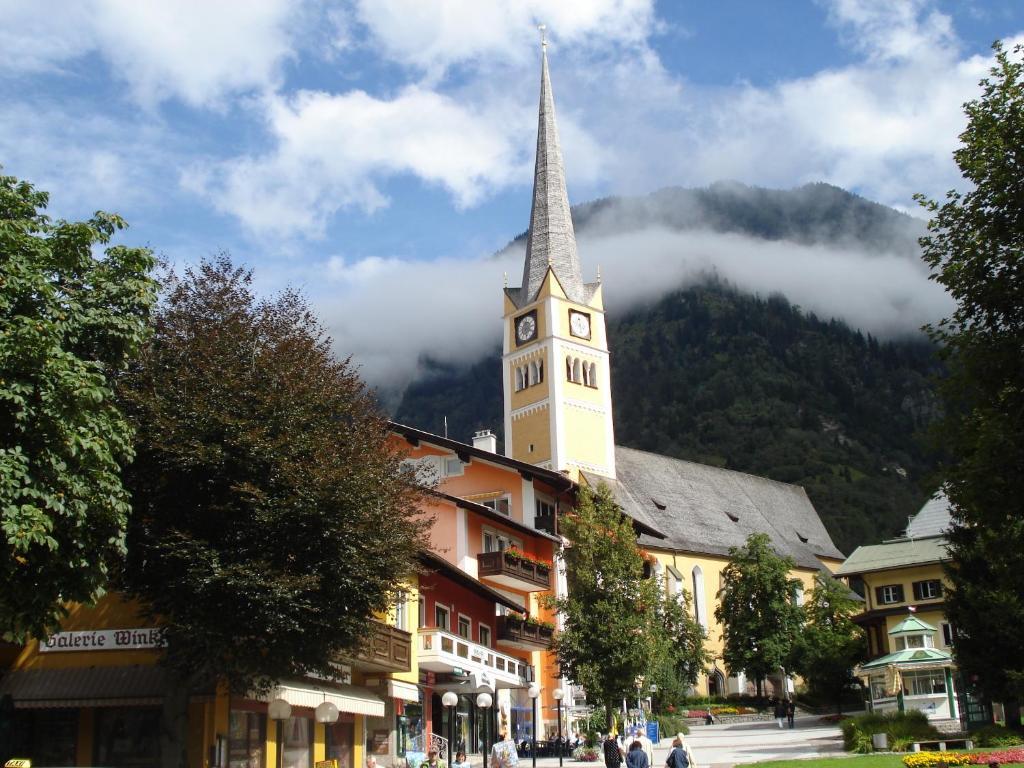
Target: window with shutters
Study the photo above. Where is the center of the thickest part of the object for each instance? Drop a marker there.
(927, 590)
(889, 594)
(948, 635)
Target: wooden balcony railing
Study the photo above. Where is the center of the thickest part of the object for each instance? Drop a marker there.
(516, 631)
(389, 648)
(513, 572)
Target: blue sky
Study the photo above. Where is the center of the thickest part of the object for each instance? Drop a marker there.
(376, 152)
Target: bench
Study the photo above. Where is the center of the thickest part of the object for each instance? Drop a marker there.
(943, 745)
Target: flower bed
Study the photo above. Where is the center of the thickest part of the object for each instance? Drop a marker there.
(936, 759)
(585, 754)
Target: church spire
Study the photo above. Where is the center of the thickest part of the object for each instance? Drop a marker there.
(551, 240)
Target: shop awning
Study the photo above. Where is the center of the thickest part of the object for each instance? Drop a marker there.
(347, 698)
(405, 691)
(135, 685)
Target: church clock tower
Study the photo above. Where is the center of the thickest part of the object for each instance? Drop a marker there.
(558, 407)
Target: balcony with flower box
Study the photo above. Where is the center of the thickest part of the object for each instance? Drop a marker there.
(512, 569)
(443, 652)
(525, 634)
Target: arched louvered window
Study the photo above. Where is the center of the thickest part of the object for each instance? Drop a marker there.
(568, 368)
(586, 374)
(593, 374)
(534, 373)
(700, 611)
(577, 371)
(519, 379)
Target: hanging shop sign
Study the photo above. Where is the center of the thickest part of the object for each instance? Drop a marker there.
(104, 640)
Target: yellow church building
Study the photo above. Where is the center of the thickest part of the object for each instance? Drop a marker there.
(558, 415)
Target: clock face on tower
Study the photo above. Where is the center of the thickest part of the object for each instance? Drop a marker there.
(526, 328)
(579, 324)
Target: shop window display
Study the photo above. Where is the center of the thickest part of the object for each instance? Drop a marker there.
(46, 736)
(127, 737)
(247, 739)
(297, 747)
(340, 738)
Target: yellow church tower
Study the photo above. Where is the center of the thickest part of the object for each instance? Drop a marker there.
(558, 406)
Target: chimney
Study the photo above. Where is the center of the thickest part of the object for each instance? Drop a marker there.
(485, 440)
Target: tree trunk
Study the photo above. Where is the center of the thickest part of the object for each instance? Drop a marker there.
(174, 722)
(760, 689)
(1011, 709)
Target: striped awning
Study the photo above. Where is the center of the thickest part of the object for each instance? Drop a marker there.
(347, 698)
(114, 686)
(405, 691)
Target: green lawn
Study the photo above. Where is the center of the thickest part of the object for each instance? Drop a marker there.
(851, 761)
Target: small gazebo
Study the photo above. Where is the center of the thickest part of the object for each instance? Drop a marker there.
(916, 675)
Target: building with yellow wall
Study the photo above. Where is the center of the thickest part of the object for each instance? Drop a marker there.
(910, 639)
(558, 415)
(91, 695)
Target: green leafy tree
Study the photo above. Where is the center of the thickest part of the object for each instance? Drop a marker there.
(975, 248)
(683, 657)
(69, 321)
(760, 619)
(830, 645)
(612, 636)
(271, 517)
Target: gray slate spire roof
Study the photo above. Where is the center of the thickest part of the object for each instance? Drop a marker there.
(551, 239)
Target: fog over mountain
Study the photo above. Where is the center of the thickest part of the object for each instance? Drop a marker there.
(826, 250)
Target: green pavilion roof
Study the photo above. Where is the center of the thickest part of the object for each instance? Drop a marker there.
(909, 657)
(912, 626)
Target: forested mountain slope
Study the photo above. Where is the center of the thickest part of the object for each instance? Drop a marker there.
(750, 383)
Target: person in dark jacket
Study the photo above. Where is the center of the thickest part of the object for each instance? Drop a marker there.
(636, 757)
(780, 712)
(612, 751)
(791, 713)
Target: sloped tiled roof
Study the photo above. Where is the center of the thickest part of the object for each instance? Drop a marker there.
(931, 520)
(707, 510)
(894, 554)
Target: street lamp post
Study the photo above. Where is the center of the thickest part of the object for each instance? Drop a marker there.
(558, 693)
(533, 692)
(279, 710)
(449, 700)
(484, 701)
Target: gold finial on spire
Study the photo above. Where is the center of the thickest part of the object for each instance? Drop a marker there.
(543, 35)
(506, 279)
(549, 260)
(599, 273)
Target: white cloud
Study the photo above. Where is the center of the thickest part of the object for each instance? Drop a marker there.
(389, 313)
(331, 151)
(433, 36)
(195, 50)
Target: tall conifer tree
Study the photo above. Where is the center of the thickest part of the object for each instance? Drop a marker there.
(975, 249)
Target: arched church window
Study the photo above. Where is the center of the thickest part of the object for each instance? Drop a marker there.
(586, 374)
(568, 368)
(534, 373)
(519, 379)
(699, 604)
(577, 373)
(593, 374)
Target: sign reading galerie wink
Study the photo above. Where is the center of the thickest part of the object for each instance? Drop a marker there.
(104, 640)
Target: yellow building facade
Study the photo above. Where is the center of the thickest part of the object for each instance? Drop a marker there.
(558, 415)
(92, 695)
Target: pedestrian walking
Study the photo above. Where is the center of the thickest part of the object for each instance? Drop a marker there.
(681, 756)
(780, 712)
(791, 713)
(636, 757)
(646, 744)
(613, 753)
